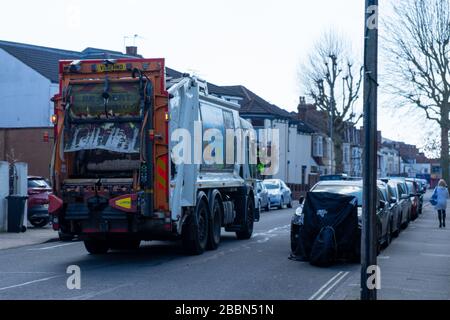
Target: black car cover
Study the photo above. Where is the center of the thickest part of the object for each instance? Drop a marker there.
(330, 229)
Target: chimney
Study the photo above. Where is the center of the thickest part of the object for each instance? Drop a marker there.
(132, 51)
(302, 109)
(302, 100)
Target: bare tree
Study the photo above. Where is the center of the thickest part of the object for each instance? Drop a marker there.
(418, 44)
(334, 82)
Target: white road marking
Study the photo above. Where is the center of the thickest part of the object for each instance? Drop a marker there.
(28, 283)
(24, 272)
(334, 285)
(271, 231)
(91, 295)
(322, 292)
(53, 247)
(324, 286)
(436, 255)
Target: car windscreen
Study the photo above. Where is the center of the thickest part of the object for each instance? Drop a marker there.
(411, 188)
(272, 185)
(37, 183)
(349, 190)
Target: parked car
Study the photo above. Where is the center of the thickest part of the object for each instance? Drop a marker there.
(415, 199)
(334, 177)
(339, 177)
(353, 188)
(420, 190)
(390, 197)
(400, 190)
(279, 193)
(38, 192)
(262, 196)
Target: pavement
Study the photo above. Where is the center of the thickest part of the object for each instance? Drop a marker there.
(32, 236)
(415, 267)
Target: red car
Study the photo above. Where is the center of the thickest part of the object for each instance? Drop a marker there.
(38, 192)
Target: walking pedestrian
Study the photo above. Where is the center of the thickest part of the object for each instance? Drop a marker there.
(441, 196)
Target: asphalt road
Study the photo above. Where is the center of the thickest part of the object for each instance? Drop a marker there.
(255, 269)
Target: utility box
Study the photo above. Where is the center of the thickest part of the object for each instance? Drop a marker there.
(4, 192)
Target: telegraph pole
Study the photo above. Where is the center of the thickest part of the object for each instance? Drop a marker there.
(369, 239)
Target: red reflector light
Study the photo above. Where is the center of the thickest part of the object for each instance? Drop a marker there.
(55, 204)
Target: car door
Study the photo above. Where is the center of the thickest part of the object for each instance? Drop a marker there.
(383, 214)
(403, 202)
(287, 192)
(265, 194)
(395, 207)
(262, 194)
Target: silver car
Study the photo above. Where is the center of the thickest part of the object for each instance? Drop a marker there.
(279, 193)
(262, 196)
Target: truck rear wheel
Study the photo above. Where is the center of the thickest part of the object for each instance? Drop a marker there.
(195, 232)
(95, 246)
(215, 226)
(247, 228)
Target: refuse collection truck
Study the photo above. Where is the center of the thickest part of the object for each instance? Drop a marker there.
(139, 156)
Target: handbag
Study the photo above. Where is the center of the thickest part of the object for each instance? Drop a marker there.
(433, 199)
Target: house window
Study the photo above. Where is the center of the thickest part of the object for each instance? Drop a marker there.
(318, 146)
(258, 122)
(346, 154)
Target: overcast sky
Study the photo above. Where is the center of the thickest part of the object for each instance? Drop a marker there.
(258, 43)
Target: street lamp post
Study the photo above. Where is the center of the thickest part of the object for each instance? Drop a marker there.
(369, 239)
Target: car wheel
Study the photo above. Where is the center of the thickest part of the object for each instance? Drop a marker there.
(396, 233)
(215, 226)
(399, 224)
(40, 222)
(289, 205)
(406, 223)
(379, 233)
(388, 235)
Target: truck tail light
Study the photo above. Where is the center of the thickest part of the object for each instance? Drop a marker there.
(46, 137)
(54, 119)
